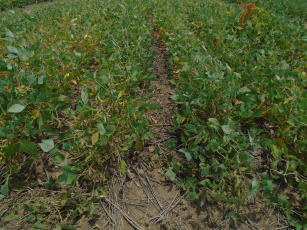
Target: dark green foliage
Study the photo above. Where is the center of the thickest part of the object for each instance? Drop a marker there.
(8, 4)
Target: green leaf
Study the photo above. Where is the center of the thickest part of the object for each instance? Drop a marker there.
(186, 153)
(68, 176)
(123, 167)
(12, 49)
(4, 190)
(28, 147)
(10, 217)
(9, 35)
(16, 108)
(171, 143)
(214, 121)
(47, 145)
(268, 185)
(40, 226)
(255, 186)
(59, 158)
(11, 149)
(40, 79)
(276, 152)
(101, 129)
(84, 96)
(226, 129)
(170, 174)
(244, 90)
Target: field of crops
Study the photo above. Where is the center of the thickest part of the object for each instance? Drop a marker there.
(78, 82)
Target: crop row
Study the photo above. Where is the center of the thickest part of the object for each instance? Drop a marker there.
(71, 90)
(240, 95)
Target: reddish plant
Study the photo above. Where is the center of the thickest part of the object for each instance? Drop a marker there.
(246, 11)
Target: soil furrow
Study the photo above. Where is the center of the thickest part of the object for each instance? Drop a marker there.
(146, 184)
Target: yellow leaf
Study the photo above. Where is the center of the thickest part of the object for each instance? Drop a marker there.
(238, 102)
(96, 117)
(266, 112)
(74, 82)
(95, 138)
(36, 113)
(138, 145)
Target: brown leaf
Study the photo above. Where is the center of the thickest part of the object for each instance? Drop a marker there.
(138, 145)
(151, 148)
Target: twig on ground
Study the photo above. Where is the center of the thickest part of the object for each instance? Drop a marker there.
(125, 215)
(108, 214)
(160, 125)
(250, 224)
(169, 208)
(154, 193)
(147, 187)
